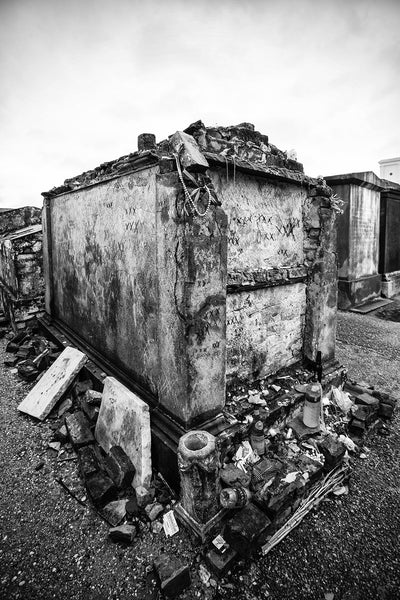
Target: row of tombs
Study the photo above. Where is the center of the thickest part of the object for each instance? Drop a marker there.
(202, 265)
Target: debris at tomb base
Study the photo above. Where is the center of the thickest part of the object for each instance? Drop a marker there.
(330, 482)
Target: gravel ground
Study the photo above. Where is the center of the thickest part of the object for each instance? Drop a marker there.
(51, 547)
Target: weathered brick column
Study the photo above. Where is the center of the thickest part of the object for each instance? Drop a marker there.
(319, 215)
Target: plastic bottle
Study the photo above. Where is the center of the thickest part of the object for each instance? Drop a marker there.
(312, 405)
(234, 497)
(257, 439)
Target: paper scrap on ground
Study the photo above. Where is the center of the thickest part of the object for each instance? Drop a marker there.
(169, 523)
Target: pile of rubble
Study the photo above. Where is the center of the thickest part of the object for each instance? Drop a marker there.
(272, 467)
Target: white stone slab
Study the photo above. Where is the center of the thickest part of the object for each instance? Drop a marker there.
(49, 389)
(124, 420)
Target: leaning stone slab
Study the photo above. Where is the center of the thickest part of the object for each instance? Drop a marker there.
(49, 389)
(124, 420)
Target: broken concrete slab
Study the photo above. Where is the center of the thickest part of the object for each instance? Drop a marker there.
(173, 577)
(124, 420)
(79, 429)
(44, 396)
(188, 151)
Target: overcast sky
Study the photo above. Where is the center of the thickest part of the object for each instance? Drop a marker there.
(81, 79)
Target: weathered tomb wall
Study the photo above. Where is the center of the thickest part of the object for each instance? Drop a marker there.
(104, 270)
(266, 302)
(389, 241)
(145, 285)
(21, 265)
(358, 237)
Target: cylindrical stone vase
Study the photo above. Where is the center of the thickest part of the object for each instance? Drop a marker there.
(199, 466)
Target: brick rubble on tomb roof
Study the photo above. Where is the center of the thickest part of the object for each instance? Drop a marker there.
(240, 145)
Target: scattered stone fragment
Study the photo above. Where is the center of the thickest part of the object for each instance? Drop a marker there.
(81, 387)
(100, 488)
(11, 361)
(64, 406)
(219, 563)
(89, 460)
(357, 427)
(114, 512)
(124, 533)
(173, 577)
(242, 531)
(39, 465)
(90, 411)
(93, 397)
(131, 507)
(144, 496)
(61, 434)
(79, 429)
(385, 410)
(156, 527)
(366, 400)
(119, 467)
(154, 510)
(54, 446)
(332, 449)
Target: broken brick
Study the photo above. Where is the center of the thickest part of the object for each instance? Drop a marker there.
(11, 361)
(131, 507)
(81, 387)
(93, 397)
(100, 488)
(144, 496)
(366, 400)
(154, 510)
(364, 413)
(242, 531)
(385, 410)
(114, 512)
(64, 406)
(119, 467)
(89, 460)
(124, 533)
(173, 577)
(284, 496)
(79, 429)
(61, 434)
(357, 427)
(219, 563)
(332, 449)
